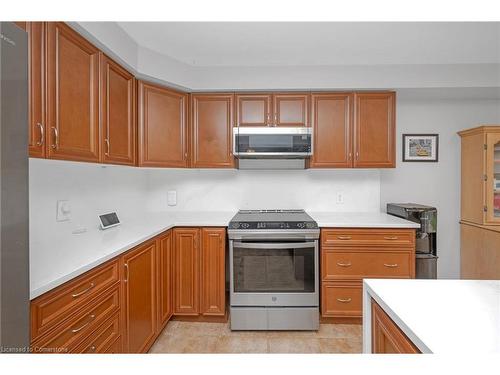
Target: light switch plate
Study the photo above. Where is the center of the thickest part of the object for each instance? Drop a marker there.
(172, 197)
(63, 212)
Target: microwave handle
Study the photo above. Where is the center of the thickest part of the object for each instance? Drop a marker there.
(265, 245)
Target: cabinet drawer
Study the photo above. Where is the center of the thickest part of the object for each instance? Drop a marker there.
(341, 299)
(101, 338)
(65, 337)
(358, 264)
(55, 306)
(368, 237)
(115, 348)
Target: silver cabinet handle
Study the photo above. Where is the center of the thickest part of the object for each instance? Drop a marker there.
(391, 238)
(92, 317)
(267, 246)
(56, 138)
(126, 273)
(83, 291)
(391, 265)
(344, 237)
(42, 134)
(346, 300)
(348, 264)
(107, 146)
(275, 119)
(357, 155)
(268, 119)
(92, 348)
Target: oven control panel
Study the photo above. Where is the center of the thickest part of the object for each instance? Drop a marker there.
(270, 225)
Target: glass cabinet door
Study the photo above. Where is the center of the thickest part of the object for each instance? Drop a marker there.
(493, 179)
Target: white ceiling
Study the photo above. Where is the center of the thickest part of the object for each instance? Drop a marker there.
(332, 43)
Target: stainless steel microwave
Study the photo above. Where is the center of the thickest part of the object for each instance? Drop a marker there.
(272, 142)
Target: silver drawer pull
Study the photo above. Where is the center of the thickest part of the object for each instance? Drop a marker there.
(344, 237)
(391, 238)
(346, 300)
(55, 145)
(83, 291)
(92, 317)
(340, 264)
(391, 265)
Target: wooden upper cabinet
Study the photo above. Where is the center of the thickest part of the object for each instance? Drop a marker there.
(118, 140)
(164, 283)
(186, 271)
(36, 87)
(212, 119)
(213, 271)
(290, 109)
(72, 95)
(162, 127)
(374, 130)
(332, 124)
(253, 110)
(139, 267)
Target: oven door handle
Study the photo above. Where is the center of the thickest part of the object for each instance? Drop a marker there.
(266, 245)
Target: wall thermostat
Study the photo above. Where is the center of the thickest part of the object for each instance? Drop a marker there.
(109, 220)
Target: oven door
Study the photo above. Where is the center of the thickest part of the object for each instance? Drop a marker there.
(274, 273)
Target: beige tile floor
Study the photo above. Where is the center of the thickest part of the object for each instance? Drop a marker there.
(188, 337)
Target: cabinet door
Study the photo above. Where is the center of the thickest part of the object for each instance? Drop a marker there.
(36, 87)
(162, 127)
(291, 110)
(117, 113)
(212, 119)
(213, 271)
(164, 284)
(332, 124)
(140, 297)
(72, 95)
(253, 110)
(492, 182)
(387, 337)
(374, 130)
(186, 271)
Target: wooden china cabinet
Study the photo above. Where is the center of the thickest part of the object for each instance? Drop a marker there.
(480, 202)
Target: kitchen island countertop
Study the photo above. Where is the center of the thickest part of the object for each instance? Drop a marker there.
(438, 316)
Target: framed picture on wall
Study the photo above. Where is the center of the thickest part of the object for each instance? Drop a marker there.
(420, 147)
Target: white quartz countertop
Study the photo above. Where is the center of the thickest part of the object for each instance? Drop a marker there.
(360, 220)
(439, 316)
(74, 255)
(71, 255)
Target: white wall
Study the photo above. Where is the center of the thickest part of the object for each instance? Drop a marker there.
(223, 190)
(436, 184)
(91, 189)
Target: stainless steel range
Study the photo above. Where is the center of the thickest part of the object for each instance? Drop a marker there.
(274, 272)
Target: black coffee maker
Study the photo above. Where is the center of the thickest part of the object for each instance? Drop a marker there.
(426, 252)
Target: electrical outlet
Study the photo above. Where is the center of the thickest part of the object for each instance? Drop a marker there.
(172, 197)
(340, 198)
(63, 212)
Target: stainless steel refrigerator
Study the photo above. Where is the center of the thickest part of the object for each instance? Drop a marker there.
(14, 238)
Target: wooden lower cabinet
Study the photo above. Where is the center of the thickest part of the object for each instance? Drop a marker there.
(213, 271)
(164, 281)
(479, 252)
(139, 287)
(186, 271)
(123, 305)
(348, 255)
(199, 271)
(387, 337)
